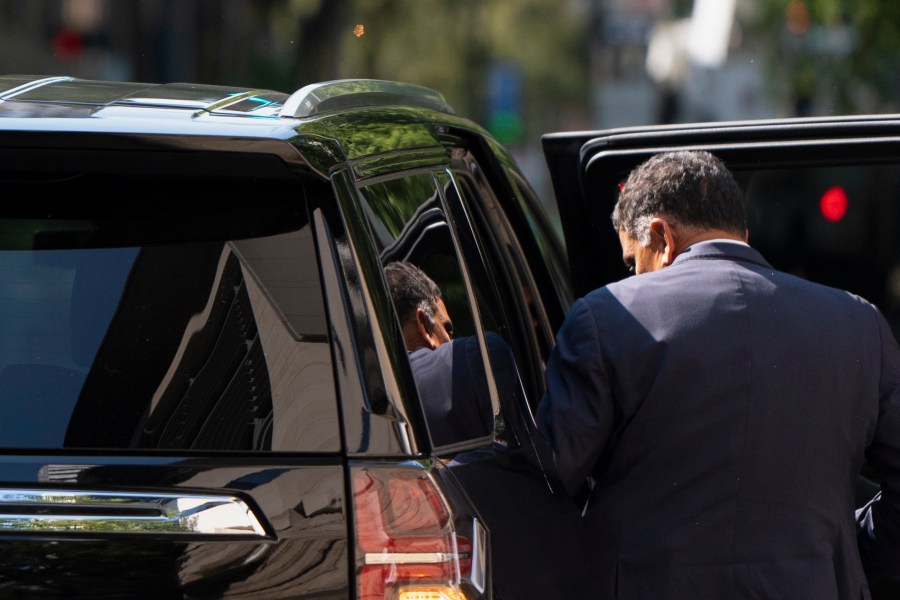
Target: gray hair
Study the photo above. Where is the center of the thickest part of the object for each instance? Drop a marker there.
(411, 289)
(690, 188)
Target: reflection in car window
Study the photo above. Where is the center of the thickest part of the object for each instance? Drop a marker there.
(529, 329)
(549, 240)
(411, 228)
(36, 301)
(409, 211)
(203, 346)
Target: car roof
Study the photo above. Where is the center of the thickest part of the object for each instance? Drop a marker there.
(315, 128)
(28, 96)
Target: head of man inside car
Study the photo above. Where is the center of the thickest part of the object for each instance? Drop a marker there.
(674, 200)
(420, 307)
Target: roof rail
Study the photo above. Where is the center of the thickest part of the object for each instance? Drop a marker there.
(13, 85)
(319, 98)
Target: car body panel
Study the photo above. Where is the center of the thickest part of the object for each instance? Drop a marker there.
(303, 556)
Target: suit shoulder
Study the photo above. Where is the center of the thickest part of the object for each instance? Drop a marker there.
(600, 298)
(612, 290)
(838, 294)
(844, 301)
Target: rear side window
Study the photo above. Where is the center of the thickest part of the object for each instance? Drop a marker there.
(409, 222)
(175, 330)
(520, 300)
(548, 240)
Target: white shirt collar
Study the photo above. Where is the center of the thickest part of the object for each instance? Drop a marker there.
(719, 241)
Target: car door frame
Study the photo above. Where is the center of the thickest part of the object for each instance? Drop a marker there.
(587, 168)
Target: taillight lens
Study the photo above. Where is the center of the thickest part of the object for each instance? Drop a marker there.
(406, 540)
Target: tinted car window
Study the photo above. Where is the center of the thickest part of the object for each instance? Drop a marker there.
(526, 324)
(409, 222)
(548, 240)
(163, 342)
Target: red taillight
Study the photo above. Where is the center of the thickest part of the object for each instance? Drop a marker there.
(407, 545)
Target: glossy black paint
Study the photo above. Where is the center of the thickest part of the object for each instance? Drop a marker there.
(305, 558)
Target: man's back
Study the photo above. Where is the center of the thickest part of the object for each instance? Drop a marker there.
(733, 404)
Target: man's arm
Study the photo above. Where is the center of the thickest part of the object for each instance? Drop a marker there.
(576, 412)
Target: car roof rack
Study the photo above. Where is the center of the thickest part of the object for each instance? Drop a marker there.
(329, 96)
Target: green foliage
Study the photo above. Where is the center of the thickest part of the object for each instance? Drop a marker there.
(448, 46)
(396, 202)
(844, 51)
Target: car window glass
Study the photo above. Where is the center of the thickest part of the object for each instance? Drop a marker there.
(518, 305)
(548, 238)
(410, 226)
(163, 343)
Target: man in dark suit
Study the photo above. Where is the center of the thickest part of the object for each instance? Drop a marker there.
(721, 410)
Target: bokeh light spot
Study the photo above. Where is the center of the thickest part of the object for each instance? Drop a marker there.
(833, 204)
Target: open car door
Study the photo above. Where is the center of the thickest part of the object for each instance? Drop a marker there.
(822, 197)
(795, 174)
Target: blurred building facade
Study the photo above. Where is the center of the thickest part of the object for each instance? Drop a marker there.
(645, 61)
(661, 61)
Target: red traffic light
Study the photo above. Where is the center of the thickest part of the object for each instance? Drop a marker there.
(833, 204)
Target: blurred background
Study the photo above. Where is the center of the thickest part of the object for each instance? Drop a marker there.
(521, 68)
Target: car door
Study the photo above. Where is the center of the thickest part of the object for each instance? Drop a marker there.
(783, 167)
(534, 522)
(419, 216)
(822, 197)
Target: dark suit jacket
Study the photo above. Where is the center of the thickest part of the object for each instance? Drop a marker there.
(723, 409)
(453, 386)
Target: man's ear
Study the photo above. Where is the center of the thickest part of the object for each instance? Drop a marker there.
(425, 326)
(662, 236)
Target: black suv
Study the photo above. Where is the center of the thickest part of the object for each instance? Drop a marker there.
(204, 385)
(204, 388)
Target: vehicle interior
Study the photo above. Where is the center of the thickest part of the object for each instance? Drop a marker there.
(822, 219)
